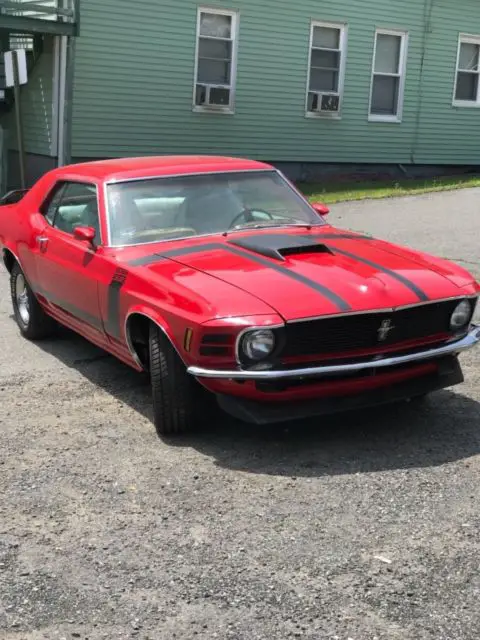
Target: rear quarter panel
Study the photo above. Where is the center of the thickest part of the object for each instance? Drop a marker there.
(17, 234)
(9, 226)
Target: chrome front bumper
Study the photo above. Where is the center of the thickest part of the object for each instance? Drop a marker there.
(469, 341)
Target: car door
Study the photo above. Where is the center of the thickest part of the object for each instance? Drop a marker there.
(68, 268)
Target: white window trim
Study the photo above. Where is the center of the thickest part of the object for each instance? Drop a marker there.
(230, 110)
(402, 75)
(465, 38)
(341, 75)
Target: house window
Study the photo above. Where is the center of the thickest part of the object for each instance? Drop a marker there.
(326, 68)
(467, 83)
(215, 64)
(388, 76)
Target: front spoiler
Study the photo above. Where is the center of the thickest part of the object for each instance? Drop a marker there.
(452, 348)
(448, 374)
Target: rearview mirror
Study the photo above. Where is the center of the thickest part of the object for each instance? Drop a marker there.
(85, 234)
(320, 208)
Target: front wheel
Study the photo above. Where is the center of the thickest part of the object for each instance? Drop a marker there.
(176, 394)
(32, 320)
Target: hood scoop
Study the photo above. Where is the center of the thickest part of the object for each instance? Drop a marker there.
(279, 246)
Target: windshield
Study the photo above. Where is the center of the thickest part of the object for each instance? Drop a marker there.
(151, 210)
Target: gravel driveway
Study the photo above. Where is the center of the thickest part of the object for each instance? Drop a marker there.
(357, 528)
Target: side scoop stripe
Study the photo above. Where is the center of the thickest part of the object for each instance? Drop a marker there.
(265, 262)
(113, 325)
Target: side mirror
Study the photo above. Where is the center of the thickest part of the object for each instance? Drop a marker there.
(85, 234)
(320, 208)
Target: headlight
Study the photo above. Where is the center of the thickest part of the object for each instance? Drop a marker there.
(461, 315)
(257, 344)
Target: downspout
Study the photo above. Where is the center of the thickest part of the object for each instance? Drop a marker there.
(427, 17)
(3, 161)
(67, 64)
(66, 147)
(3, 133)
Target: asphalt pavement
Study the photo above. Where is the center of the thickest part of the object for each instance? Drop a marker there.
(361, 527)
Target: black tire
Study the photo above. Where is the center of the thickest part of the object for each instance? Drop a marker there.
(37, 325)
(177, 396)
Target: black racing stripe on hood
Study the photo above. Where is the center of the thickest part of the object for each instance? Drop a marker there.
(144, 261)
(316, 286)
(157, 257)
(173, 253)
(340, 236)
(397, 276)
(265, 262)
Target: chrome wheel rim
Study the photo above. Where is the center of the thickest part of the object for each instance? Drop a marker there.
(21, 294)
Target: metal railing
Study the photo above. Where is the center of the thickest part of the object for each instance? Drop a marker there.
(65, 14)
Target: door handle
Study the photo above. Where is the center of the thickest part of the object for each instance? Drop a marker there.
(42, 241)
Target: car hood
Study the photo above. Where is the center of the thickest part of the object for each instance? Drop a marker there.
(302, 273)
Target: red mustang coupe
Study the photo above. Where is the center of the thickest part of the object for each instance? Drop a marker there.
(215, 274)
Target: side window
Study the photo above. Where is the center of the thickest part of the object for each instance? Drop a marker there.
(51, 202)
(78, 207)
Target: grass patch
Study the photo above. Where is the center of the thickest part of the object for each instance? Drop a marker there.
(341, 192)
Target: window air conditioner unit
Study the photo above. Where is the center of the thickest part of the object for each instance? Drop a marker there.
(327, 103)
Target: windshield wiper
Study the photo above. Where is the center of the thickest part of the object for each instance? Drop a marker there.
(269, 225)
(307, 225)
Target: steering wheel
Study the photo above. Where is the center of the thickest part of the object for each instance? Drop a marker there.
(248, 216)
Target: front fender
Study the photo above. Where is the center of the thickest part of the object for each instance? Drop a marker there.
(153, 315)
(157, 318)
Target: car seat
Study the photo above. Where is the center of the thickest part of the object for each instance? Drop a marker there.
(211, 210)
(90, 218)
(125, 217)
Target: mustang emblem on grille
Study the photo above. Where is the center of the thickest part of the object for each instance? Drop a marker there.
(384, 330)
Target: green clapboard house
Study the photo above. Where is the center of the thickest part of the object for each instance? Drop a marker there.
(312, 85)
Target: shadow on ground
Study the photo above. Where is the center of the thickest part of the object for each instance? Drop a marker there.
(444, 429)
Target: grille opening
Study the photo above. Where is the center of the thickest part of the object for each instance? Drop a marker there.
(350, 333)
(214, 351)
(217, 339)
(216, 344)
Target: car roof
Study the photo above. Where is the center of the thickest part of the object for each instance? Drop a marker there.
(150, 166)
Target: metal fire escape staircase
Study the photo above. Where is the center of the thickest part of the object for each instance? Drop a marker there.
(56, 17)
(33, 45)
(24, 24)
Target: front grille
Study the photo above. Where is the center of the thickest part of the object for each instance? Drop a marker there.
(363, 331)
